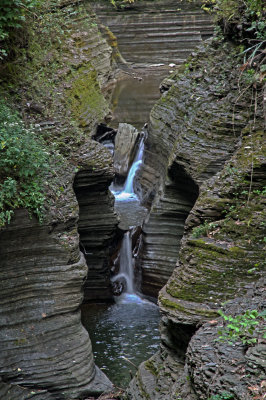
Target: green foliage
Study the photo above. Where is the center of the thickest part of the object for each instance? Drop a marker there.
(240, 328)
(259, 28)
(232, 10)
(121, 3)
(23, 164)
(12, 16)
(203, 229)
(238, 18)
(222, 396)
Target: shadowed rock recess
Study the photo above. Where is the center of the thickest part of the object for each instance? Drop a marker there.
(206, 137)
(45, 353)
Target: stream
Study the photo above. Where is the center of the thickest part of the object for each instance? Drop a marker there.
(126, 333)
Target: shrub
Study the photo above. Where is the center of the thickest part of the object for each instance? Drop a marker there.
(12, 16)
(23, 165)
(203, 229)
(222, 396)
(241, 327)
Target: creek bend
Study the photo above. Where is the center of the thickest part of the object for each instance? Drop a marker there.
(126, 333)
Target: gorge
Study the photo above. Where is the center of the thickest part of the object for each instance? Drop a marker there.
(197, 201)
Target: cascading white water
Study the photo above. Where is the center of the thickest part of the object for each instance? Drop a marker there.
(126, 266)
(126, 270)
(128, 190)
(135, 166)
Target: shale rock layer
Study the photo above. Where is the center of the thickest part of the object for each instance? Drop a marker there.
(97, 220)
(43, 344)
(45, 351)
(206, 131)
(149, 33)
(191, 135)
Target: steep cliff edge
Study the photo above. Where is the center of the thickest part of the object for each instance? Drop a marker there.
(55, 76)
(205, 135)
(191, 135)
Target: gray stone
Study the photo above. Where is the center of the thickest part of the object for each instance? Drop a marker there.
(125, 148)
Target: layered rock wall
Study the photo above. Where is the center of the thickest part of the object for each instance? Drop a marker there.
(44, 347)
(213, 134)
(191, 135)
(45, 351)
(97, 220)
(149, 33)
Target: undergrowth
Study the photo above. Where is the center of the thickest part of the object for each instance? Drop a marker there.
(23, 166)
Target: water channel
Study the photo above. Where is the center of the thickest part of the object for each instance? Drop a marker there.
(126, 333)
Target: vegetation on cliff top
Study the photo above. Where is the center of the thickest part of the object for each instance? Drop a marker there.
(40, 77)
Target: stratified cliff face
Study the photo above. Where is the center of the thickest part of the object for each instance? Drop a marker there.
(191, 135)
(149, 33)
(44, 347)
(222, 253)
(215, 367)
(97, 220)
(208, 129)
(45, 351)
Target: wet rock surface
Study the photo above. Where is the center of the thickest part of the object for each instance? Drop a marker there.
(125, 148)
(44, 347)
(97, 220)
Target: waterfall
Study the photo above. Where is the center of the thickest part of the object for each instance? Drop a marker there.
(125, 276)
(126, 273)
(128, 190)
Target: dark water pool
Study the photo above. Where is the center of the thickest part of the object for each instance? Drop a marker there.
(121, 334)
(134, 98)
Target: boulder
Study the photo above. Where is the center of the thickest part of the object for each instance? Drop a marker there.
(125, 148)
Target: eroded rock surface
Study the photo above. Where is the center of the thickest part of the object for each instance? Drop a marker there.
(222, 251)
(191, 135)
(149, 34)
(97, 220)
(43, 344)
(45, 351)
(217, 367)
(125, 148)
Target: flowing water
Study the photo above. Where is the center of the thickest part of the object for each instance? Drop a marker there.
(126, 271)
(127, 191)
(126, 333)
